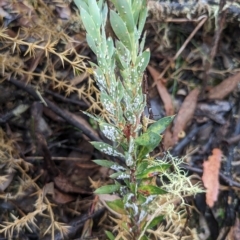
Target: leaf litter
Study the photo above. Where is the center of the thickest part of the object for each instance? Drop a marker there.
(36, 42)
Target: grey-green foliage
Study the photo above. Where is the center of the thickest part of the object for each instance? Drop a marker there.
(124, 56)
(118, 74)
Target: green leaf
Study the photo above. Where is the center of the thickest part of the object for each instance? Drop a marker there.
(126, 14)
(94, 11)
(149, 139)
(107, 149)
(91, 43)
(141, 198)
(142, 166)
(81, 4)
(107, 189)
(144, 237)
(161, 125)
(142, 17)
(143, 61)
(96, 118)
(122, 55)
(120, 29)
(99, 77)
(107, 102)
(157, 220)
(110, 48)
(110, 132)
(153, 171)
(120, 175)
(143, 151)
(136, 7)
(90, 25)
(141, 47)
(151, 190)
(104, 13)
(110, 235)
(117, 206)
(109, 164)
(130, 116)
(120, 90)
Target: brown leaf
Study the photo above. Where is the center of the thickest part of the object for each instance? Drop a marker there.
(163, 92)
(234, 232)
(168, 139)
(62, 198)
(210, 176)
(185, 114)
(225, 87)
(65, 185)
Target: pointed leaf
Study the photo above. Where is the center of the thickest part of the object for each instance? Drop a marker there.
(153, 171)
(96, 118)
(117, 206)
(81, 4)
(142, 166)
(120, 175)
(94, 11)
(143, 61)
(144, 237)
(110, 132)
(90, 25)
(125, 12)
(107, 102)
(157, 220)
(107, 149)
(110, 47)
(151, 190)
(107, 189)
(91, 43)
(143, 151)
(109, 164)
(110, 235)
(161, 125)
(150, 139)
(120, 29)
(142, 17)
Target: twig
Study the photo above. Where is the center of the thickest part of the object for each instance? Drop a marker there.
(68, 100)
(227, 180)
(29, 89)
(182, 48)
(208, 63)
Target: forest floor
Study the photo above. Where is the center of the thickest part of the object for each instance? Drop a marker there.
(47, 173)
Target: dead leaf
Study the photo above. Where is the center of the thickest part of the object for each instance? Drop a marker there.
(168, 139)
(234, 232)
(163, 92)
(65, 185)
(210, 176)
(185, 114)
(225, 87)
(62, 198)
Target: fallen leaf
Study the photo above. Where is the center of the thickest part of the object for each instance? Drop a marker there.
(234, 232)
(168, 139)
(210, 176)
(62, 198)
(163, 92)
(225, 87)
(185, 114)
(64, 184)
